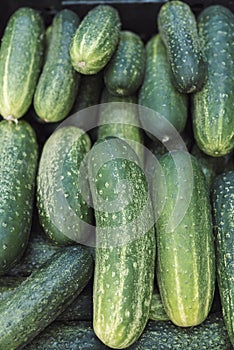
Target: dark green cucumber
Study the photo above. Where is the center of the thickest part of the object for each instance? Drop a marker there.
(43, 296)
(95, 40)
(38, 251)
(223, 203)
(118, 117)
(21, 58)
(185, 247)
(158, 91)
(125, 240)
(89, 92)
(18, 163)
(157, 311)
(64, 212)
(212, 107)
(125, 72)
(58, 83)
(178, 28)
(211, 334)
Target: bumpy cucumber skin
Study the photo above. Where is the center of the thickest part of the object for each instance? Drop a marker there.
(124, 264)
(211, 334)
(95, 40)
(178, 29)
(58, 83)
(118, 117)
(21, 57)
(223, 204)
(63, 211)
(125, 71)
(89, 92)
(157, 88)
(43, 296)
(185, 254)
(212, 107)
(18, 164)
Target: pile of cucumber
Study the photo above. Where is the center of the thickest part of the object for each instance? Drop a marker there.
(117, 181)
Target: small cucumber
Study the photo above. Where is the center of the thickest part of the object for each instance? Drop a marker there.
(18, 164)
(212, 107)
(185, 244)
(178, 29)
(43, 296)
(58, 83)
(125, 71)
(125, 253)
(95, 40)
(158, 91)
(118, 117)
(21, 57)
(223, 203)
(64, 213)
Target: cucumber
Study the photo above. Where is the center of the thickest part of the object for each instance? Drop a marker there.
(89, 92)
(158, 91)
(118, 117)
(157, 336)
(79, 309)
(185, 264)
(223, 201)
(58, 83)
(157, 311)
(43, 296)
(21, 57)
(64, 213)
(125, 243)
(95, 40)
(178, 28)
(212, 107)
(125, 71)
(18, 164)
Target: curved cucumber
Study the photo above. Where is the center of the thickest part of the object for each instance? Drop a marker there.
(21, 58)
(125, 71)
(158, 89)
(125, 253)
(18, 164)
(186, 265)
(58, 83)
(43, 296)
(223, 203)
(118, 117)
(95, 40)
(212, 107)
(178, 29)
(64, 213)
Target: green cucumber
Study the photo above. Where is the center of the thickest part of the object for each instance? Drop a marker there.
(223, 203)
(158, 91)
(21, 56)
(178, 29)
(125, 71)
(125, 243)
(18, 164)
(43, 296)
(212, 107)
(185, 246)
(95, 40)
(118, 117)
(58, 83)
(89, 92)
(211, 334)
(157, 311)
(64, 213)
